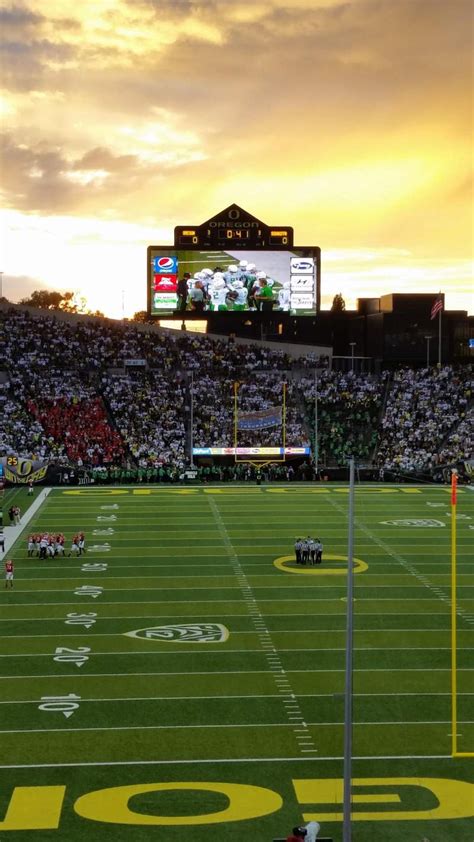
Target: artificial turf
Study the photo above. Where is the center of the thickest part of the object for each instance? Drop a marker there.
(262, 708)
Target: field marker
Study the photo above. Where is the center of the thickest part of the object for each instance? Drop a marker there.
(58, 704)
(86, 620)
(98, 567)
(89, 590)
(73, 656)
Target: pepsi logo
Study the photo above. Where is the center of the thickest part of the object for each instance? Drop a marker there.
(165, 264)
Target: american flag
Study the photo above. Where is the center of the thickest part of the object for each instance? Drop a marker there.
(437, 307)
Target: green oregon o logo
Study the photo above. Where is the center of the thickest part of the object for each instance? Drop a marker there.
(282, 563)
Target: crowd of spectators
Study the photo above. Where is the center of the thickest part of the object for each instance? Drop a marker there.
(118, 397)
(148, 408)
(459, 445)
(424, 408)
(349, 408)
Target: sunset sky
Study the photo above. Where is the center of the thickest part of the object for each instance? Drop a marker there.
(350, 119)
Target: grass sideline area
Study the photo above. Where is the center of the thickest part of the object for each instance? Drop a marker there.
(184, 668)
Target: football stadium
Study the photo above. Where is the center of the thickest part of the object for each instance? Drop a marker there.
(180, 650)
(236, 421)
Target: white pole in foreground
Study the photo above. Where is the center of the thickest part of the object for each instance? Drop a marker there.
(348, 673)
(191, 422)
(316, 448)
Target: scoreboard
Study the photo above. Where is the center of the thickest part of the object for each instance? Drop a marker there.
(238, 248)
(234, 227)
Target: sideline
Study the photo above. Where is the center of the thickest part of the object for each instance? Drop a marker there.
(12, 533)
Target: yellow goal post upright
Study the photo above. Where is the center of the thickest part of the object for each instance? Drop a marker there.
(454, 627)
(260, 463)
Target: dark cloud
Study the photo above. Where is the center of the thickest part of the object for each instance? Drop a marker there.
(19, 17)
(42, 179)
(103, 159)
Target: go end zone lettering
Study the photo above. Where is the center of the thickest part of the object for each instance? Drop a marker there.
(40, 807)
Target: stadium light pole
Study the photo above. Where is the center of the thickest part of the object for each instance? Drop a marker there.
(191, 421)
(346, 831)
(352, 344)
(428, 338)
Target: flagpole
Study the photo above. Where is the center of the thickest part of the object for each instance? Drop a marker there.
(439, 337)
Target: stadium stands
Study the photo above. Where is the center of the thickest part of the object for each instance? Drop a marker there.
(423, 408)
(114, 396)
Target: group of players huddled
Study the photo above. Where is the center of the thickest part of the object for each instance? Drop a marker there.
(308, 551)
(47, 545)
(238, 287)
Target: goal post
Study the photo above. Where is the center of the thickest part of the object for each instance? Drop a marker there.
(454, 626)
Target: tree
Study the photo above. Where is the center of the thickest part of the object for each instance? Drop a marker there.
(141, 316)
(338, 304)
(68, 302)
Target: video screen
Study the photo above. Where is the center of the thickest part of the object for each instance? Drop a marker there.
(225, 281)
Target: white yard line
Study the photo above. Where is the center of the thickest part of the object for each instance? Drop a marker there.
(99, 763)
(225, 726)
(232, 696)
(188, 673)
(299, 600)
(208, 651)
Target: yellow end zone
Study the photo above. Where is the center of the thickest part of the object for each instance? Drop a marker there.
(284, 560)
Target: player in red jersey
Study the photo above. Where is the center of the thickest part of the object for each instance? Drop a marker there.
(9, 573)
(82, 543)
(74, 547)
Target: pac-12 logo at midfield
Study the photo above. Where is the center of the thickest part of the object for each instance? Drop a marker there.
(165, 265)
(184, 633)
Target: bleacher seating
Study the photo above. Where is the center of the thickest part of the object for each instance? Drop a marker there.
(60, 402)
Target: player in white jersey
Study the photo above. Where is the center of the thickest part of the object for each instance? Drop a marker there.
(284, 296)
(232, 274)
(218, 292)
(239, 295)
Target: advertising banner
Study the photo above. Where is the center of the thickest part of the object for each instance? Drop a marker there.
(251, 451)
(260, 420)
(20, 471)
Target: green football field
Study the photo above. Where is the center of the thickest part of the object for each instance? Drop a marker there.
(223, 717)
